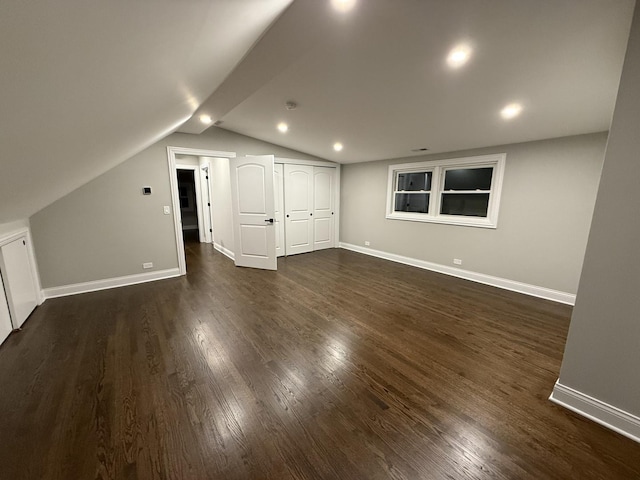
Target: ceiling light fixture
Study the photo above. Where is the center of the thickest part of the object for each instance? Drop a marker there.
(511, 111)
(206, 119)
(343, 5)
(338, 147)
(283, 127)
(458, 56)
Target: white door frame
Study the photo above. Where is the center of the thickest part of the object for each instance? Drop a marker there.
(175, 199)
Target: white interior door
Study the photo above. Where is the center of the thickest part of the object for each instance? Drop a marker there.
(278, 185)
(298, 206)
(5, 318)
(18, 281)
(323, 207)
(253, 203)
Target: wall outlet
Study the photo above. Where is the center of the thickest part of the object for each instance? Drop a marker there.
(167, 210)
(457, 261)
(147, 265)
(367, 243)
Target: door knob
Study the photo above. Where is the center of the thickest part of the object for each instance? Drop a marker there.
(270, 220)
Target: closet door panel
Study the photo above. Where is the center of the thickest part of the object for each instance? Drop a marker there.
(323, 207)
(298, 207)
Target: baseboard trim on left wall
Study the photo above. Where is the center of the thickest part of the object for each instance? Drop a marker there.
(94, 286)
(594, 409)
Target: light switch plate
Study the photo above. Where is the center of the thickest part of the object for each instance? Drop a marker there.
(167, 210)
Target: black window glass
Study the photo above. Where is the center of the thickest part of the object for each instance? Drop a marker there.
(412, 202)
(468, 179)
(467, 204)
(414, 181)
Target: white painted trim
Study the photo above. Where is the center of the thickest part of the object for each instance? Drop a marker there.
(224, 251)
(600, 412)
(527, 289)
(107, 283)
(173, 183)
(336, 226)
(314, 163)
(439, 169)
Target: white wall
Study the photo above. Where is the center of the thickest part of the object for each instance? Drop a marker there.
(602, 355)
(547, 201)
(107, 228)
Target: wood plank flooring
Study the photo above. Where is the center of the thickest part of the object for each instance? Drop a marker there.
(337, 366)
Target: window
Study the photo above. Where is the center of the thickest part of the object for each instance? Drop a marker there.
(461, 191)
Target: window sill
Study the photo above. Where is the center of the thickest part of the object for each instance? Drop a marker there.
(478, 222)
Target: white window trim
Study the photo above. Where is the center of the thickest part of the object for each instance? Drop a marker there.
(438, 167)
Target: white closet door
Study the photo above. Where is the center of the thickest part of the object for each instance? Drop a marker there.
(5, 318)
(18, 281)
(278, 179)
(298, 203)
(323, 207)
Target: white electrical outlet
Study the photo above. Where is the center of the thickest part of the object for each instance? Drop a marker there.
(167, 210)
(367, 243)
(457, 261)
(147, 265)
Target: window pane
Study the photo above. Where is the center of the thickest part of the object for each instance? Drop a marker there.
(414, 181)
(412, 202)
(468, 204)
(468, 179)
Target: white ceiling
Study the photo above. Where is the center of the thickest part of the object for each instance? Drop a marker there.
(376, 79)
(85, 84)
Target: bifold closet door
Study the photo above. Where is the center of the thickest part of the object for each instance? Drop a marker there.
(18, 280)
(323, 207)
(298, 207)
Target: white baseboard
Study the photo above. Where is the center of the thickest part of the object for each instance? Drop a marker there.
(224, 251)
(527, 289)
(600, 412)
(96, 285)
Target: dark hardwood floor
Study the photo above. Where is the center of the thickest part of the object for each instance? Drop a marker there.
(337, 366)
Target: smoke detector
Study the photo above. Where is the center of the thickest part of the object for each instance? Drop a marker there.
(291, 105)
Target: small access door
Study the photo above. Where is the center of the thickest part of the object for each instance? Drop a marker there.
(18, 281)
(253, 212)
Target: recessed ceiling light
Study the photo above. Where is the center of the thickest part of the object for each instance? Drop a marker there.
(337, 147)
(283, 127)
(510, 111)
(206, 119)
(458, 56)
(343, 5)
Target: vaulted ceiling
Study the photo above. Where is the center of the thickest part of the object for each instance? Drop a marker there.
(86, 84)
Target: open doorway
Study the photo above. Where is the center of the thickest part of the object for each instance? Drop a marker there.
(188, 205)
(201, 167)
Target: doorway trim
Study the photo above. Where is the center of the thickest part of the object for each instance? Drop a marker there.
(175, 200)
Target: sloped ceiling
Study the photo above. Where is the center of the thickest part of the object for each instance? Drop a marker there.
(375, 78)
(85, 84)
